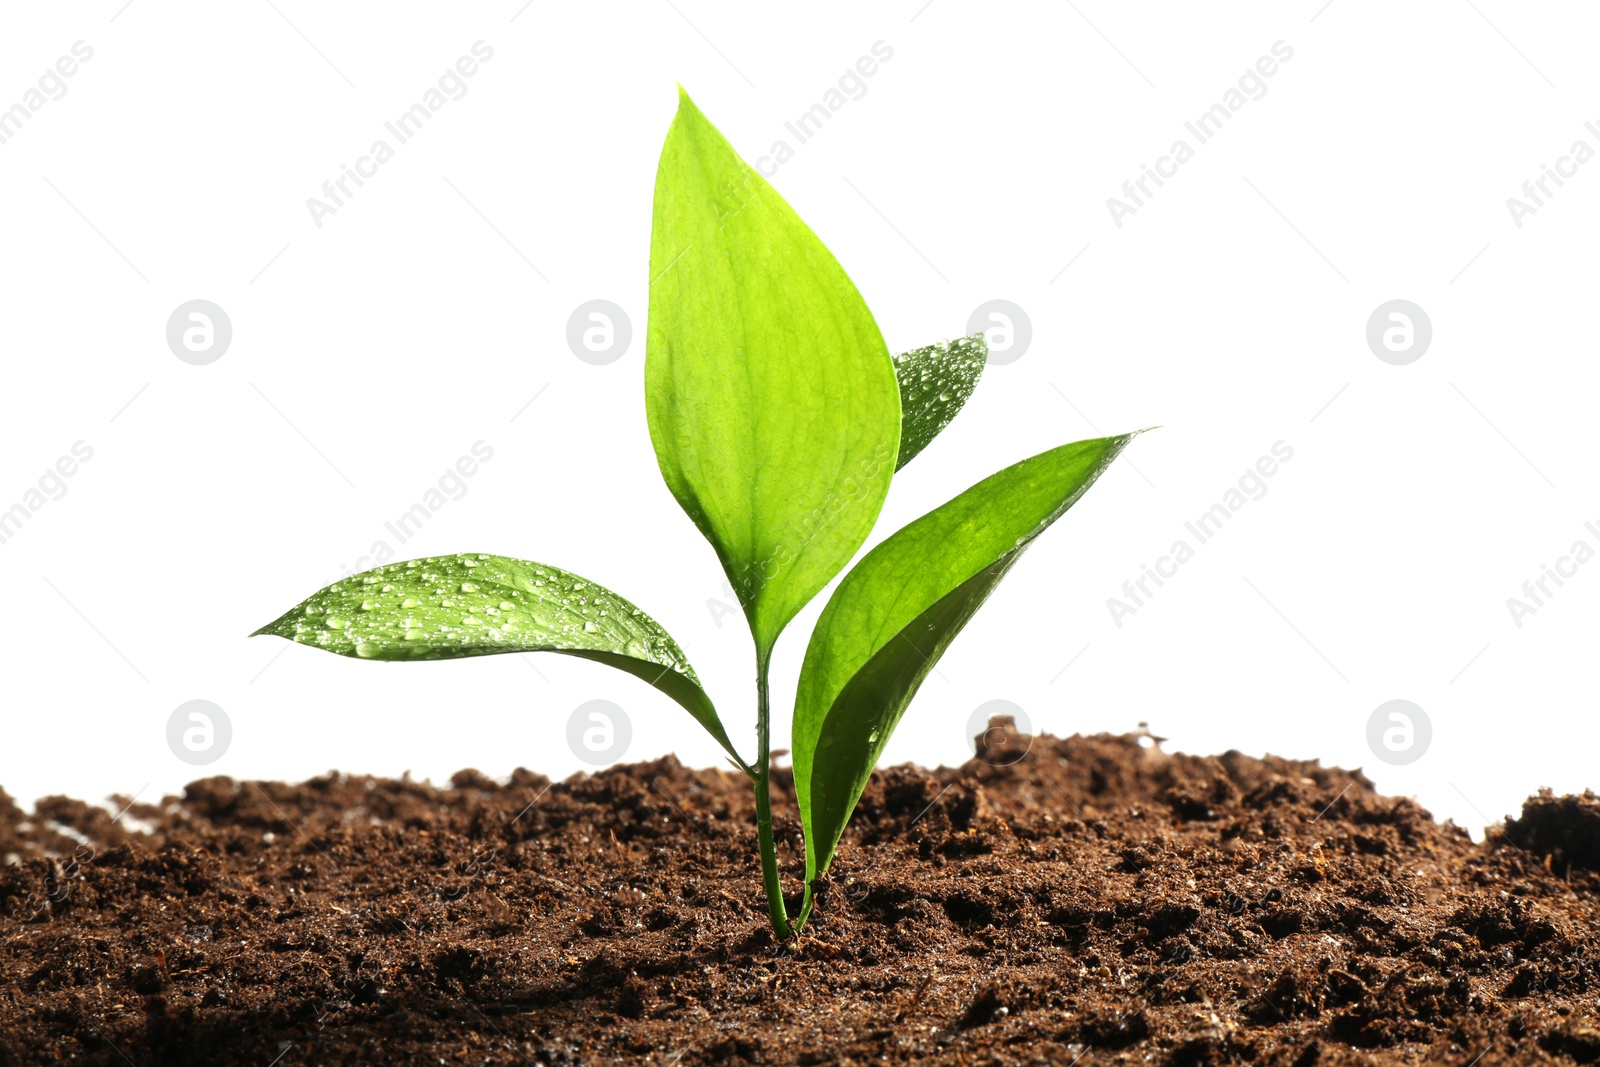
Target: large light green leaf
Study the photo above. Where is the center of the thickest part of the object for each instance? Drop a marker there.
(448, 607)
(771, 397)
(934, 384)
(898, 610)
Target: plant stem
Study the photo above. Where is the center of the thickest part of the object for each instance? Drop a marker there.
(762, 777)
(805, 912)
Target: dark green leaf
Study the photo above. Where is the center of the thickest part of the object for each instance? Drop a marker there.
(934, 384)
(898, 610)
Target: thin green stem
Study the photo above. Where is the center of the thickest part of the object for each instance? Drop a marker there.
(805, 912)
(762, 778)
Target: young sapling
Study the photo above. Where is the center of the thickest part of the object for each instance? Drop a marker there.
(778, 418)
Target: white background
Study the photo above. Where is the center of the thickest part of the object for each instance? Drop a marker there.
(368, 354)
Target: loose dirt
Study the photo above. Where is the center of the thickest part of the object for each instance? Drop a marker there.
(1096, 902)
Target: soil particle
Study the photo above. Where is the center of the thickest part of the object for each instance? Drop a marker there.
(1087, 900)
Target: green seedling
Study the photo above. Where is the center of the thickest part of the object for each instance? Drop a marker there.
(778, 418)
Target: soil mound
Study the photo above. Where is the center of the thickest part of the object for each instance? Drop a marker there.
(1086, 900)
(1565, 829)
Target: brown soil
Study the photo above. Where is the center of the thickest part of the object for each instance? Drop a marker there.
(1098, 902)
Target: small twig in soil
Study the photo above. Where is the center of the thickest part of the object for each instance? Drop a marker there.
(915, 999)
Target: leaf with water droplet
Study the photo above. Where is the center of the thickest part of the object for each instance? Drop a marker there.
(897, 611)
(934, 384)
(500, 608)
